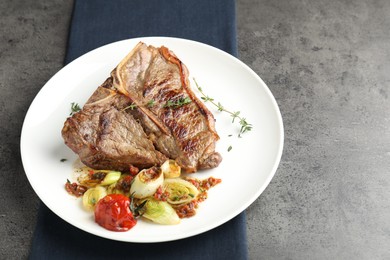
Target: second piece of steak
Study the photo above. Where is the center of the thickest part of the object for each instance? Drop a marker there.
(105, 137)
(165, 119)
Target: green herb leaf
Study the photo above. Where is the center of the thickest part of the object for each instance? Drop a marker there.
(132, 106)
(207, 98)
(180, 102)
(137, 210)
(63, 160)
(74, 108)
(229, 148)
(245, 126)
(220, 107)
(150, 103)
(235, 115)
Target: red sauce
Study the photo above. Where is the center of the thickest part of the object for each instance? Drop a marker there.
(160, 195)
(150, 174)
(205, 184)
(98, 176)
(124, 183)
(209, 183)
(189, 209)
(75, 189)
(133, 170)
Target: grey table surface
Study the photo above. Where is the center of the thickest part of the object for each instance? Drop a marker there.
(328, 65)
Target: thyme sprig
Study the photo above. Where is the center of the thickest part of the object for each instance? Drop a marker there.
(133, 106)
(170, 103)
(244, 125)
(137, 210)
(178, 103)
(74, 108)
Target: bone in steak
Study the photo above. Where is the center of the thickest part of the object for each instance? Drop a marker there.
(106, 135)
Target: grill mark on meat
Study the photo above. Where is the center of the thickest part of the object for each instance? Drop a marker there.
(150, 88)
(180, 131)
(155, 119)
(165, 94)
(190, 146)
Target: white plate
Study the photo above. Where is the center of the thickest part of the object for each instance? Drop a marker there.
(245, 171)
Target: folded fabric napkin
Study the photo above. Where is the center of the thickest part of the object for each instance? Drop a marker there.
(98, 22)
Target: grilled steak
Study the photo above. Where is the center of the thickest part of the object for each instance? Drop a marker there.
(143, 114)
(106, 137)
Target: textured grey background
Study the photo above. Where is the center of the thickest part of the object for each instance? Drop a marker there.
(327, 64)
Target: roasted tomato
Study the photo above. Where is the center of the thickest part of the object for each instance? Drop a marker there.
(113, 213)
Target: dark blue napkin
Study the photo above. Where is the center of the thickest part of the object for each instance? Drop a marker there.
(98, 22)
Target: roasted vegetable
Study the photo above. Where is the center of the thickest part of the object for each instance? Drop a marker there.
(160, 212)
(90, 177)
(92, 196)
(110, 178)
(180, 191)
(113, 213)
(171, 169)
(146, 182)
